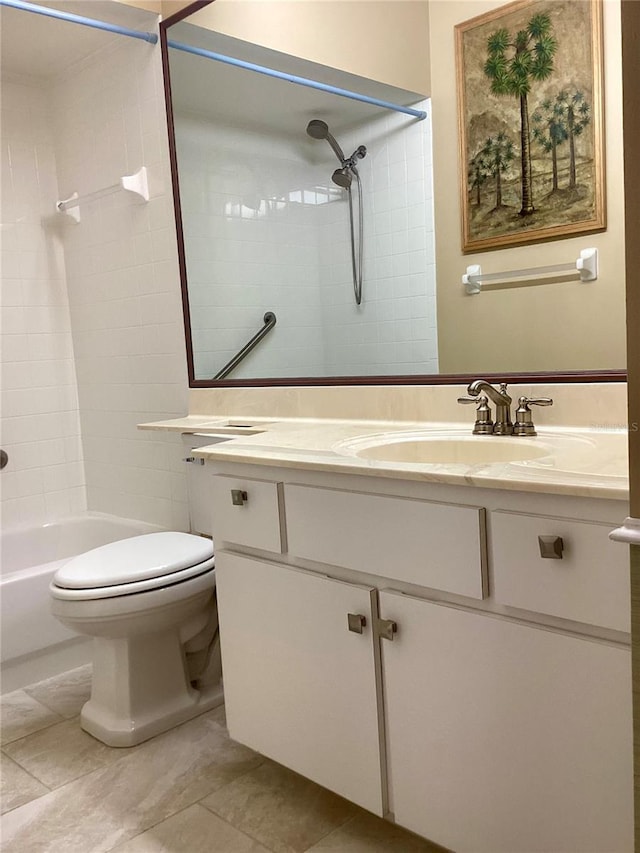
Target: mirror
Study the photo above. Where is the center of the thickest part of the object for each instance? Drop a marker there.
(273, 247)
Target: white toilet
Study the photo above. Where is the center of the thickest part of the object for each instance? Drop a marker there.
(149, 603)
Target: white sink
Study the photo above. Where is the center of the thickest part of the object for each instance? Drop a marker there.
(449, 450)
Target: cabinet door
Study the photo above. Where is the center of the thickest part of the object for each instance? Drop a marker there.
(299, 686)
(504, 738)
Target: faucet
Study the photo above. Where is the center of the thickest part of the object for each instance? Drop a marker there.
(502, 401)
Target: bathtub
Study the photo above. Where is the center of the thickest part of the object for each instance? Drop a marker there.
(34, 645)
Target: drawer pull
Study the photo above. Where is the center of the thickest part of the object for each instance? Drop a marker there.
(239, 497)
(551, 547)
(356, 622)
(387, 628)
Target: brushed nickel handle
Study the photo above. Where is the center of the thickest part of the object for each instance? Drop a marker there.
(239, 497)
(551, 547)
(356, 622)
(387, 628)
(537, 401)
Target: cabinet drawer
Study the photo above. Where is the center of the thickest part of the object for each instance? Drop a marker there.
(253, 520)
(589, 584)
(431, 544)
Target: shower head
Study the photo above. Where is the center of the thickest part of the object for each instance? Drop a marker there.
(342, 177)
(319, 129)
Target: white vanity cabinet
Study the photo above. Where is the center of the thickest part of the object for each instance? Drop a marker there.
(496, 718)
(504, 737)
(300, 687)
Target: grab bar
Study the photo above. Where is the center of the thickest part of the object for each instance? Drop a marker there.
(269, 322)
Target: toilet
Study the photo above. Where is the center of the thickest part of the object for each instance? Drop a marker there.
(149, 604)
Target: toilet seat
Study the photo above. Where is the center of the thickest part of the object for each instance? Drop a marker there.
(134, 565)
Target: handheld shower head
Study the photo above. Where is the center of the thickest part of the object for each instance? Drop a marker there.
(319, 129)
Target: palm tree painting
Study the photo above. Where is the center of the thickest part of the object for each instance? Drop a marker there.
(531, 125)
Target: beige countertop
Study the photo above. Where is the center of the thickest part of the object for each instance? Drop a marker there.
(562, 460)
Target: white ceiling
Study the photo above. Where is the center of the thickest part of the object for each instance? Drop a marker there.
(42, 47)
(246, 98)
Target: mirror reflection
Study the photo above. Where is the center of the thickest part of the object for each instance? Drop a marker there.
(317, 212)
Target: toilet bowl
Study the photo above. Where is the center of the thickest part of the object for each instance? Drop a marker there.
(149, 604)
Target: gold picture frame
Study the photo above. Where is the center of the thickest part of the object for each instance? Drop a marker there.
(531, 123)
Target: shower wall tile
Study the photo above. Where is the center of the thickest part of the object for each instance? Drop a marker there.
(248, 205)
(267, 230)
(123, 283)
(394, 330)
(40, 420)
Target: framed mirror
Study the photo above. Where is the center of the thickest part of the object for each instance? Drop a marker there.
(319, 233)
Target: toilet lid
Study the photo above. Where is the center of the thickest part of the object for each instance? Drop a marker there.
(139, 558)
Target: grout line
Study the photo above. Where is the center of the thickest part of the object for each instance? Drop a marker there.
(8, 757)
(35, 732)
(233, 826)
(331, 831)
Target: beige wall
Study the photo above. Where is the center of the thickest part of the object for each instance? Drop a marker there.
(385, 40)
(166, 8)
(154, 6)
(551, 327)
(631, 52)
(631, 92)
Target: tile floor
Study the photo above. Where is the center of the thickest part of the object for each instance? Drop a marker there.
(190, 790)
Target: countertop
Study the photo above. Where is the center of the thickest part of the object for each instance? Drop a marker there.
(567, 460)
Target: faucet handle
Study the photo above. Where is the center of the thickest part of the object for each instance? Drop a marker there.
(479, 401)
(483, 424)
(535, 401)
(524, 423)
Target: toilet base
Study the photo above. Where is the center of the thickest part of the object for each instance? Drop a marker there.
(120, 733)
(140, 689)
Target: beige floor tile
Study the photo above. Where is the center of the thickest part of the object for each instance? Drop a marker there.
(65, 694)
(282, 810)
(195, 830)
(61, 753)
(147, 785)
(367, 833)
(20, 715)
(17, 787)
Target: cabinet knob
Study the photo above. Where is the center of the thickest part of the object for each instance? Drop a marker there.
(551, 547)
(239, 497)
(356, 622)
(387, 628)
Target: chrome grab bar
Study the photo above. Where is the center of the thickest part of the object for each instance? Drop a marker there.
(269, 322)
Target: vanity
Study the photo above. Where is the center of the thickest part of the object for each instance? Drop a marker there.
(443, 642)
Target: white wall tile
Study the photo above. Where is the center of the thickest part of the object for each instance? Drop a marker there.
(38, 378)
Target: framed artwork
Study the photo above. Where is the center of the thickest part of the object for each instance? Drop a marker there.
(531, 123)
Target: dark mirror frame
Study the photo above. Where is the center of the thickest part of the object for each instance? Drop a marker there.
(428, 379)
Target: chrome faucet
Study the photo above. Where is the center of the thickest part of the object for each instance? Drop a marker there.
(502, 401)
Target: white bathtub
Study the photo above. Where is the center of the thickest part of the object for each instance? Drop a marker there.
(34, 645)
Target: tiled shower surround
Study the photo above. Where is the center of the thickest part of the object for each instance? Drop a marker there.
(40, 417)
(267, 230)
(91, 312)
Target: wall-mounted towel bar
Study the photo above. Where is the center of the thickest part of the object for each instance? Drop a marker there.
(293, 78)
(586, 265)
(136, 183)
(152, 38)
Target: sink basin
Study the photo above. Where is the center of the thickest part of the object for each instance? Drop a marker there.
(458, 450)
